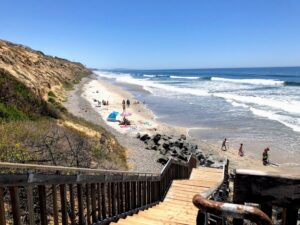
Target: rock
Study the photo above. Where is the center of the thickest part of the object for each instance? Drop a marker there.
(156, 138)
(162, 159)
(162, 151)
(183, 137)
(166, 145)
(138, 135)
(182, 157)
(145, 137)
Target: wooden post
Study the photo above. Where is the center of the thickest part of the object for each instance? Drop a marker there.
(80, 204)
(134, 194)
(267, 209)
(2, 210)
(122, 197)
(127, 196)
(109, 209)
(30, 205)
(72, 204)
(93, 200)
(113, 198)
(88, 211)
(54, 203)
(290, 216)
(99, 201)
(144, 192)
(63, 199)
(103, 191)
(42, 204)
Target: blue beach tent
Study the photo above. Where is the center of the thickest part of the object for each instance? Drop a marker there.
(112, 116)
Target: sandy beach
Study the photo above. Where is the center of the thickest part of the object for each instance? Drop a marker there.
(83, 101)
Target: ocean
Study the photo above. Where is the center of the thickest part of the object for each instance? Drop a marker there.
(256, 106)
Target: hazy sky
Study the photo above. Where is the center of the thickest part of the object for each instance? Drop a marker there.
(158, 34)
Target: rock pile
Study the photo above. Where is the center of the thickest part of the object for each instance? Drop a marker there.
(177, 148)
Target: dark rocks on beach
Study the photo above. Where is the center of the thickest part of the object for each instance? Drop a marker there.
(162, 159)
(176, 148)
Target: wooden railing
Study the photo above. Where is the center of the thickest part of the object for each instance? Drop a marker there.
(268, 190)
(64, 195)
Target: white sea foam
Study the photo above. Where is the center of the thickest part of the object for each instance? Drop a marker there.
(288, 121)
(249, 81)
(146, 75)
(151, 85)
(184, 77)
(280, 104)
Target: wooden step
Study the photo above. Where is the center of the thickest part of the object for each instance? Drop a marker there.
(177, 207)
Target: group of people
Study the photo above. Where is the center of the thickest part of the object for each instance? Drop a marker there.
(125, 103)
(265, 155)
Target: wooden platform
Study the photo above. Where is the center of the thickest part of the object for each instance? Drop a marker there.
(177, 207)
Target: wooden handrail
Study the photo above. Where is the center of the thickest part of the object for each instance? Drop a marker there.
(102, 196)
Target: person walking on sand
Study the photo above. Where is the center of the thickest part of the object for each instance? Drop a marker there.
(265, 155)
(128, 103)
(241, 152)
(123, 105)
(224, 146)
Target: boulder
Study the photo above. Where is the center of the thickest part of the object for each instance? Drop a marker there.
(145, 137)
(182, 137)
(138, 135)
(162, 159)
(156, 138)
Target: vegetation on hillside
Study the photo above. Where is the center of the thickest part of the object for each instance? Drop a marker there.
(38, 130)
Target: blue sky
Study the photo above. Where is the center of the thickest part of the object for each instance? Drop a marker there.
(158, 33)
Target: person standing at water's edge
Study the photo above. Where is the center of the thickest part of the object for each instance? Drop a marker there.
(241, 152)
(224, 146)
(128, 103)
(266, 157)
(123, 105)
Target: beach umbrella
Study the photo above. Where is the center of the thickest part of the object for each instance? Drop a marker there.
(112, 116)
(125, 114)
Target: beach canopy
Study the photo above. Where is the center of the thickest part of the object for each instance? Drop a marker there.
(125, 114)
(112, 116)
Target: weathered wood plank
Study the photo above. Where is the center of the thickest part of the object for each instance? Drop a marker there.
(30, 205)
(93, 200)
(63, 200)
(42, 204)
(80, 204)
(72, 205)
(54, 203)
(88, 203)
(2, 209)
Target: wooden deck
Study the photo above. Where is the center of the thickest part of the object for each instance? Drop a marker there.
(177, 207)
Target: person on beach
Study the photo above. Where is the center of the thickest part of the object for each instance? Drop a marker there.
(128, 103)
(224, 146)
(241, 152)
(123, 105)
(265, 158)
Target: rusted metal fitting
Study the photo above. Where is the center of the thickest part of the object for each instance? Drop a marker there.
(232, 210)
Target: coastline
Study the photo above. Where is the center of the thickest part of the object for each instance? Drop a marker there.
(81, 102)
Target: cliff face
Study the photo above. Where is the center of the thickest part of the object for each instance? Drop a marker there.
(39, 72)
(35, 127)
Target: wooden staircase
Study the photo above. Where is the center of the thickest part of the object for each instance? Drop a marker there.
(177, 207)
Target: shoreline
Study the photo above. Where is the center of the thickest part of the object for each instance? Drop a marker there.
(93, 88)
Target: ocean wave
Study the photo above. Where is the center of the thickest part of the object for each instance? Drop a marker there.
(184, 77)
(151, 85)
(291, 106)
(151, 76)
(288, 121)
(249, 81)
(291, 83)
